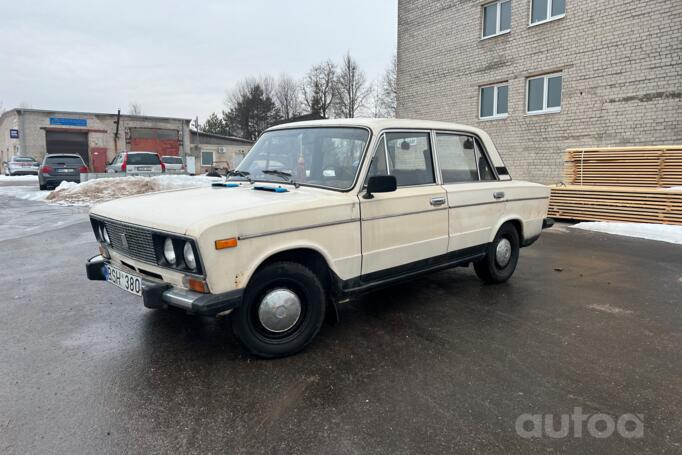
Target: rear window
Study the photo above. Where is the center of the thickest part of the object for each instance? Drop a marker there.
(142, 158)
(171, 159)
(65, 160)
(23, 159)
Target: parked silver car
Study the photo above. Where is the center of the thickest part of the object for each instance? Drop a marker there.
(136, 163)
(174, 164)
(21, 165)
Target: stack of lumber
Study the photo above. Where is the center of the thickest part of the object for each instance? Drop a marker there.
(608, 203)
(650, 167)
(620, 184)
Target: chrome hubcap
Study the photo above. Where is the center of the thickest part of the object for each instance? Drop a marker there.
(279, 310)
(503, 252)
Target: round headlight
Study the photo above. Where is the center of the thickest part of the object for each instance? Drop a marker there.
(169, 251)
(188, 253)
(105, 235)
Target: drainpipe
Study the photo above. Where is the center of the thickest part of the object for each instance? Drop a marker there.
(118, 123)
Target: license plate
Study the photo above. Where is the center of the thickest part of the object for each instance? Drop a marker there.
(64, 171)
(123, 280)
(143, 169)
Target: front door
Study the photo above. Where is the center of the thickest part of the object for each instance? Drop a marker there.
(476, 198)
(404, 229)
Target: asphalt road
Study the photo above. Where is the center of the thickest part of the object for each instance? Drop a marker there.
(439, 365)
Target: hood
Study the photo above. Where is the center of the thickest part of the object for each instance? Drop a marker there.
(189, 211)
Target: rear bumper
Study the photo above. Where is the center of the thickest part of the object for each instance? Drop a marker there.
(56, 180)
(161, 295)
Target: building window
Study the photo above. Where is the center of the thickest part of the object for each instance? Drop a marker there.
(494, 101)
(496, 18)
(206, 158)
(546, 10)
(544, 94)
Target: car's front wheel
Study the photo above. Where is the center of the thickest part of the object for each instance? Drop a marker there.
(282, 312)
(500, 260)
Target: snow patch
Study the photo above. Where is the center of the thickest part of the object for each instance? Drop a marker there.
(106, 189)
(660, 232)
(18, 178)
(27, 193)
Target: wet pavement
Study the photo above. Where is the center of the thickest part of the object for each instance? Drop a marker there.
(439, 365)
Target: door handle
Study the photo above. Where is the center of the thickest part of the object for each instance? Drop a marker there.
(436, 201)
(498, 194)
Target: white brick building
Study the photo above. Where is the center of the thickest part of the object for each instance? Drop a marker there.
(615, 72)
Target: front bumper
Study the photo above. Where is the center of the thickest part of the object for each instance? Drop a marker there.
(161, 295)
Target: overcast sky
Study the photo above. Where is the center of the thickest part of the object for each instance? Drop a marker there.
(176, 58)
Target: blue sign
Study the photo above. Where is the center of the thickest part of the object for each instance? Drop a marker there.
(14, 134)
(68, 121)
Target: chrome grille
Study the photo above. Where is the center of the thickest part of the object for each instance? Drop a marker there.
(139, 243)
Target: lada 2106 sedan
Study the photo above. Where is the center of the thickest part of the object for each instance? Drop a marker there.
(316, 213)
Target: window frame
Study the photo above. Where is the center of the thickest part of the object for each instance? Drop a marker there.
(202, 158)
(545, 93)
(548, 18)
(483, 151)
(496, 115)
(498, 32)
(434, 159)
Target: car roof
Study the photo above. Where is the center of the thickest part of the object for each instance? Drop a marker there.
(378, 124)
(141, 151)
(58, 155)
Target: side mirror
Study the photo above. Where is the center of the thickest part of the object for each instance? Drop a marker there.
(380, 184)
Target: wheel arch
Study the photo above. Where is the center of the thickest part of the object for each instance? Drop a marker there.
(312, 257)
(515, 221)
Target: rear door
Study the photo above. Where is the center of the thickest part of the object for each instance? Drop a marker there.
(476, 198)
(403, 230)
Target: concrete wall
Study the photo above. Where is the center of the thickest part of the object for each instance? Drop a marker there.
(230, 159)
(101, 129)
(8, 147)
(621, 63)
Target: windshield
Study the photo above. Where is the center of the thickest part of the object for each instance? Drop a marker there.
(23, 160)
(171, 160)
(142, 158)
(327, 157)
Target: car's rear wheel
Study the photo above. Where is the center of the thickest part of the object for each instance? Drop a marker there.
(42, 187)
(500, 260)
(282, 312)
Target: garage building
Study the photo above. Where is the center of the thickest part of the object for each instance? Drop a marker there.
(97, 137)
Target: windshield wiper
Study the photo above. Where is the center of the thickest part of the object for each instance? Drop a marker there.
(236, 173)
(283, 174)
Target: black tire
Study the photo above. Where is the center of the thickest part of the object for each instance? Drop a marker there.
(489, 269)
(43, 187)
(290, 277)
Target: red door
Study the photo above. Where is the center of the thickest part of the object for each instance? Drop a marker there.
(99, 159)
(164, 142)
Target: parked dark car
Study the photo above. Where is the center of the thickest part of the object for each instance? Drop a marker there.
(60, 167)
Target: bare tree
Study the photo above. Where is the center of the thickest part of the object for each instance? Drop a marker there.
(351, 88)
(390, 88)
(287, 96)
(135, 109)
(319, 88)
(375, 101)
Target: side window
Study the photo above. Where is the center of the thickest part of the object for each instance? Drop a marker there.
(485, 170)
(378, 166)
(461, 159)
(409, 158)
(457, 158)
